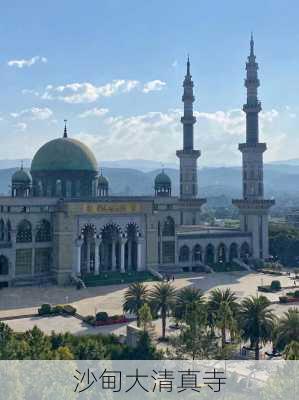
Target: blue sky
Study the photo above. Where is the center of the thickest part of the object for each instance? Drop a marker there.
(114, 69)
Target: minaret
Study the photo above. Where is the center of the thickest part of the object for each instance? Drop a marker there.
(254, 209)
(188, 156)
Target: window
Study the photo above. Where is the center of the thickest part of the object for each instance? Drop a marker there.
(24, 232)
(4, 266)
(23, 261)
(184, 254)
(2, 230)
(42, 260)
(168, 252)
(168, 227)
(43, 233)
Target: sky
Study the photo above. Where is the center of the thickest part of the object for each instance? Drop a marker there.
(114, 70)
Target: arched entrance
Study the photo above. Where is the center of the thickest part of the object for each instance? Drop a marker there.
(88, 249)
(110, 248)
(132, 233)
(233, 251)
(210, 254)
(4, 265)
(245, 252)
(184, 255)
(197, 253)
(221, 255)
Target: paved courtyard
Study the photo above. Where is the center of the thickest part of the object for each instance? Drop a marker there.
(24, 301)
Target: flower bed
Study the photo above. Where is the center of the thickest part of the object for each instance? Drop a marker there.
(288, 299)
(274, 287)
(102, 319)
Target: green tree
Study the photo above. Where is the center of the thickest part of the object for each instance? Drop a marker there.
(162, 299)
(287, 329)
(256, 322)
(223, 309)
(145, 317)
(188, 298)
(39, 345)
(291, 351)
(135, 297)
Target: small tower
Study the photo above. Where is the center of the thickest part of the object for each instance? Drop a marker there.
(162, 185)
(254, 209)
(103, 186)
(21, 183)
(188, 156)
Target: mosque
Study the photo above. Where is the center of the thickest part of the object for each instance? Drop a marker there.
(60, 221)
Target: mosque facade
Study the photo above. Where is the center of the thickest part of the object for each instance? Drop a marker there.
(60, 221)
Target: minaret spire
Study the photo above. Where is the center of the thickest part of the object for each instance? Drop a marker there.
(188, 156)
(65, 129)
(254, 208)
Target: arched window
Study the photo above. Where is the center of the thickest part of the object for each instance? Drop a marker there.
(68, 189)
(78, 189)
(58, 188)
(197, 253)
(184, 254)
(24, 232)
(4, 267)
(168, 227)
(43, 233)
(2, 230)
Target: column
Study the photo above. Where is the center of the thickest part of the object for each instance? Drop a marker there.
(33, 252)
(129, 255)
(96, 255)
(88, 257)
(122, 254)
(139, 254)
(113, 256)
(79, 243)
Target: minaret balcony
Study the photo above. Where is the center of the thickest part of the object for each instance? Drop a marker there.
(253, 147)
(252, 108)
(188, 120)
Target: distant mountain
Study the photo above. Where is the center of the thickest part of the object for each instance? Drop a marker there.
(294, 161)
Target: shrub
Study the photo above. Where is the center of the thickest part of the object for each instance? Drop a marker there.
(58, 309)
(45, 309)
(102, 316)
(283, 299)
(90, 319)
(68, 309)
(275, 285)
(115, 317)
(296, 294)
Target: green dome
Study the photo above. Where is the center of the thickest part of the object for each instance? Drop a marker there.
(21, 176)
(64, 154)
(162, 179)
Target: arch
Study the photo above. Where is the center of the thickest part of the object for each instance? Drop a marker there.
(168, 227)
(43, 233)
(245, 251)
(2, 230)
(24, 232)
(4, 265)
(197, 253)
(210, 254)
(233, 251)
(221, 253)
(184, 254)
(110, 255)
(132, 230)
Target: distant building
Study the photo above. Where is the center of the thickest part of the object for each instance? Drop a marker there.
(292, 218)
(60, 220)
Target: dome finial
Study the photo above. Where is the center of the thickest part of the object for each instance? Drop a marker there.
(65, 129)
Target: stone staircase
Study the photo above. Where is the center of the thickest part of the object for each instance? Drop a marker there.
(242, 264)
(42, 280)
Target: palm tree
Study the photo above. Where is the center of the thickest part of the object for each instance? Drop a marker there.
(135, 297)
(188, 299)
(291, 351)
(256, 321)
(222, 311)
(162, 298)
(287, 328)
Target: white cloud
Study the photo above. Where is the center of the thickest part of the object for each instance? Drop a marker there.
(21, 126)
(33, 113)
(152, 86)
(30, 91)
(27, 62)
(94, 112)
(175, 63)
(86, 92)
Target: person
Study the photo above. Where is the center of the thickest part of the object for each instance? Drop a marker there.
(172, 277)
